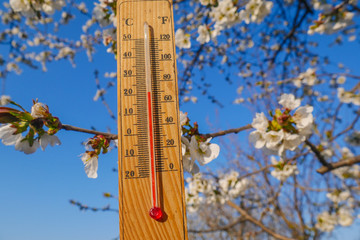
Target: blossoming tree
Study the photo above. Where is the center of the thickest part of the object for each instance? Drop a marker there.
(294, 176)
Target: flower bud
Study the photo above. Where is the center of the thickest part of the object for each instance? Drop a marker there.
(39, 110)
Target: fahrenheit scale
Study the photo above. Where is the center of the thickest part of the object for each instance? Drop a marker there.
(151, 186)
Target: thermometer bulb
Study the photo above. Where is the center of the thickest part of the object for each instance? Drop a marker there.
(156, 213)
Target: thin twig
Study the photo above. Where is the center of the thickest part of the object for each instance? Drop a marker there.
(350, 127)
(228, 226)
(256, 222)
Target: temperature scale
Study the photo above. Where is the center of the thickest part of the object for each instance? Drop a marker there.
(151, 185)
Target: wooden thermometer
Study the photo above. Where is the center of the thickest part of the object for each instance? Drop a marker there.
(151, 186)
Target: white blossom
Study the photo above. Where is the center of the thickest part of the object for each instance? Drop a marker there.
(4, 100)
(345, 217)
(288, 101)
(260, 122)
(283, 170)
(292, 141)
(20, 5)
(204, 34)
(308, 78)
(182, 40)
(326, 222)
(341, 80)
(203, 152)
(346, 153)
(273, 138)
(183, 118)
(90, 161)
(39, 110)
(329, 24)
(347, 172)
(193, 201)
(99, 93)
(65, 52)
(8, 136)
(257, 138)
(303, 116)
(353, 138)
(47, 139)
(207, 2)
(348, 97)
(23, 145)
(27, 7)
(188, 161)
(338, 196)
(99, 13)
(231, 186)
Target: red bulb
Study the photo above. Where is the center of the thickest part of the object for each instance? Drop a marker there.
(156, 213)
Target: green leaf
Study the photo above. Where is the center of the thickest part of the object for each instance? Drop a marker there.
(23, 116)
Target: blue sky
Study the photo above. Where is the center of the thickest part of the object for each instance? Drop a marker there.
(36, 189)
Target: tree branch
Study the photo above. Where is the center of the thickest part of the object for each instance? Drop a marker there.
(346, 162)
(317, 153)
(256, 222)
(232, 130)
(112, 136)
(77, 129)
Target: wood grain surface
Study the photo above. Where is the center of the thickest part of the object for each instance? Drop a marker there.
(134, 175)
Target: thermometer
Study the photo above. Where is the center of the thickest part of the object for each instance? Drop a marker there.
(151, 184)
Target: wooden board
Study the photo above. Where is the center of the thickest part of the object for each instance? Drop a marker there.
(134, 174)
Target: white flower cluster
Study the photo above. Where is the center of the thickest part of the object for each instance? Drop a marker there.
(283, 170)
(338, 196)
(200, 190)
(30, 7)
(348, 96)
(104, 14)
(101, 13)
(353, 138)
(285, 131)
(224, 14)
(256, 11)
(332, 19)
(307, 78)
(197, 148)
(347, 172)
(231, 187)
(342, 201)
(66, 52)
(196, 191)
(326, 221)
(10, 135)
